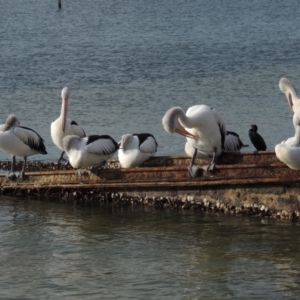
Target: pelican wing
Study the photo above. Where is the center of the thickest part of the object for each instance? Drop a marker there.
(77, 130)
(31, 138)
(148, 143)
(221, 125)
(101, 144)
(233, 142)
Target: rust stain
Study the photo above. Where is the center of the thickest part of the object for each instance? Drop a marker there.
(243, 179)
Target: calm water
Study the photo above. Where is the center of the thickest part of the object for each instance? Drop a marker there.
(126, 63)
(55, 251)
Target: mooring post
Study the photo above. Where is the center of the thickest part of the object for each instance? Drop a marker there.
(59, 3)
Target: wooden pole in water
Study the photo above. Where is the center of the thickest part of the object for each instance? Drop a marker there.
(59, 3)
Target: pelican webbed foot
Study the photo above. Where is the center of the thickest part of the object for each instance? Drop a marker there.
(209, 167)
(193, 169)
(62, 160)
(20, 175)
(11, 175)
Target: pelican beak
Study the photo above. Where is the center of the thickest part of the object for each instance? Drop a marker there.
(182, 131)
(64, 112)
(289, 99)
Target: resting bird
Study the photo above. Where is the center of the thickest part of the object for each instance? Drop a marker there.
(232, 143)
(288, 151)
(135, 149)
(89, 151)
(21, 141)
(62, 126)
(204, 129)
(256, 139)
(290, 92)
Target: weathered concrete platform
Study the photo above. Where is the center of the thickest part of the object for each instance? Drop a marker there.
(242, 183)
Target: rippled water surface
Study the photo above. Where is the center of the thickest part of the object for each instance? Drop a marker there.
(55, 251)
(126, 62)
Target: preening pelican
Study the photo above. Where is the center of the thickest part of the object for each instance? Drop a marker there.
(62, 126)
(89, 151)
(289, 151)
(295, 140)
(288, 155)
(290, 92)
(202, 126)
(135, 149)
(256, 139)
(232, 143)
(21, 141)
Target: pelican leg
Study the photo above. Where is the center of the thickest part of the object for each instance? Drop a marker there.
(62, 160)
(192, 167)
(11, 174)
(211, 165)
(22, 172)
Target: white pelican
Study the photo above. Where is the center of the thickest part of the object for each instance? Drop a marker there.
(290, 92)
(135, 149)
(21, 141)
(256, 139)
(89, 151)
(62, 126)
(202, 126)
(232, 143)
(288, 155)
(289, 151)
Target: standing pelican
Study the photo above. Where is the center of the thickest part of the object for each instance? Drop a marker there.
(135, 149)
(62, 126)
(202, 126)
(289, 151)
(89, 151)
(290, 92)
(256, 139)
(21, 141)
(232, 143)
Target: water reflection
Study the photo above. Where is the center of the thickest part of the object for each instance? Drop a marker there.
(64, 250)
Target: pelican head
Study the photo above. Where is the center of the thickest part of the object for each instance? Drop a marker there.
(171, 122)
(12, 120)
(65, 93)
(290, 92)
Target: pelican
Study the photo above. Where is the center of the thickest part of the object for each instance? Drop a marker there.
(288, 151)
(290, 92)
(256, 139)
(135, 149)
(232, 143)
(89, 151)
(62, 126)
(204, 129)
(21, 141)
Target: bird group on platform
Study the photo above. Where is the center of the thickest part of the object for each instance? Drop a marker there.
(82, 151)
(205, 131)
